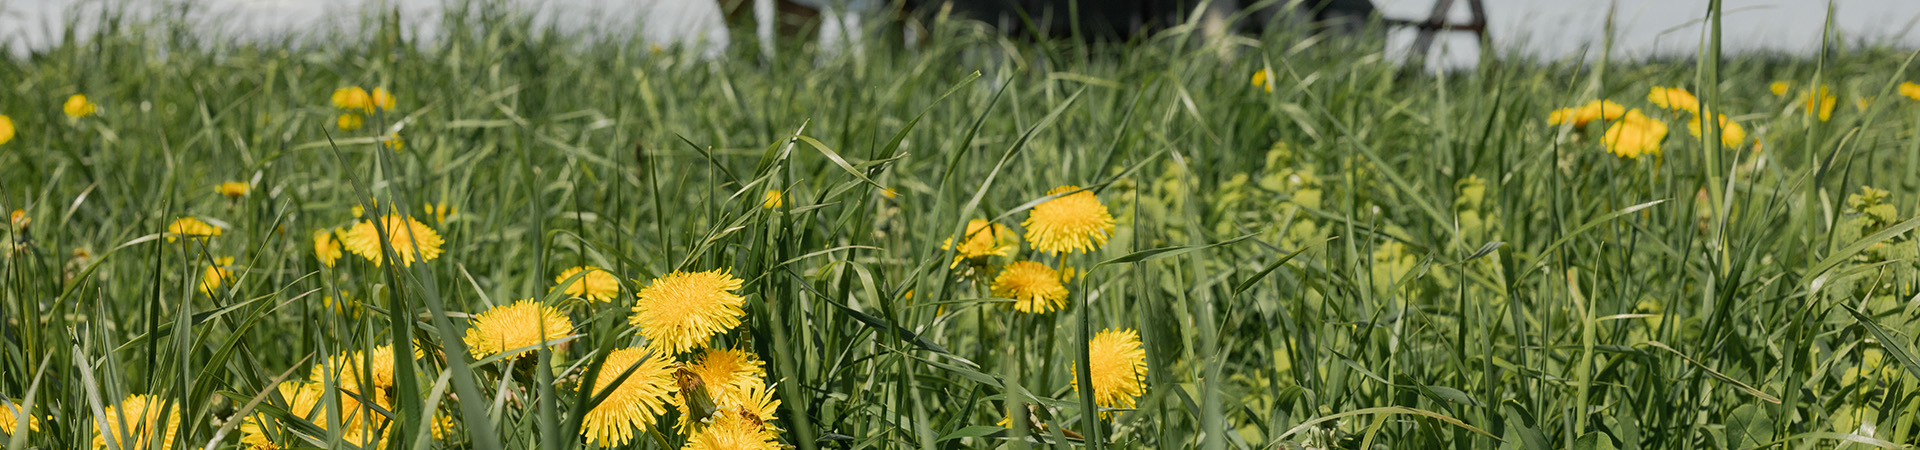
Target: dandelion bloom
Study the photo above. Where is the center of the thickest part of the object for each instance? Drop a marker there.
(1779, 88)
(19, 219)
(1674, 99)
(732, 379)
(439, 211)
(191, 228)
(300, 400)
(1820, 102)
(411, 240)
(77, 106)
(680, 311)
(1594, 110)
(393, 141)
(10, 421)
(1731, 133)
(632, 406)
(1034, 287)
(1908, 89)
(326, 247)
(734, 430)
(1263, 79)
(349, 122)
(382, 99)
(1074, 222)
(983, 239)
(1635, 135)
(6, 129)
(352, 98)
(347, 368)
(597, 285)
(525, 323)
(1117, 364)
(364, 426)
(217, 275)
(772, 200)
(145, 426)
(232, 189)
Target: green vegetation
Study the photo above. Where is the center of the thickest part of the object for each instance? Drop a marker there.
(1359, 257)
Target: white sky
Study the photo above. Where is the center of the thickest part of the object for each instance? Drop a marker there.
(1543, 28)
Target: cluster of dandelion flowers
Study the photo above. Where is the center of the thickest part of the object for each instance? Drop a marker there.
(1074, 222)
(10, 414)
(734, 430)
(983, 239)
(523, 324)
(1635, 135)
(634, 404)
(1034, 287)
(596, 285)
(6, 129)
(733, 378)
(217, 275)
(681, 311)
(1117, 364)
(363, 426)
(189, 227)
(78, 106)
(1595, 110)
(411, 240)
(326, 247)
(151, 423)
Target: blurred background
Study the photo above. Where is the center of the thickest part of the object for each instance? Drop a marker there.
(1546, 29)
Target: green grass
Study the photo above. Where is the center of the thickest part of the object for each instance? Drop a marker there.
(1312, 267)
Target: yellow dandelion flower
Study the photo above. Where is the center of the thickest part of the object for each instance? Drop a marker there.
(1074, 222)
(597, 285)
(347, 368)
(349, 122)
(352, 98)
(1674, 99)
(1779, 88)
(1908, 89)
(382, 99)
(299, 399)
(680, 311)
(773, 199)
(1034, 287)
(393, 141)
(734, 430)
(347, 307)
(19, 219)
(233, 189)
(144, 428)
(632, 406)
(1820, 102)
(1635, 135)
(1731, 133)
(1118, 365)
(439, 211)
(411, 240)
(732, 379)
(77, 106)
(10, 419)
(326, 247)
(217, 275)
(190, 228)
(1263, 79)
(505, 328)
(1595, 110)
(983, 239)
(6, 129)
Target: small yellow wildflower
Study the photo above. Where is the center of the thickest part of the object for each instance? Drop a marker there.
(1594, 110)
(1779, 88)
(1263, 79)
(1070, 223)
(1820, 102)
(191, 228)
(217, 275)
(597, 285)
(1034, 287)
(77, 106)
(1731, 133)
(352, 98)
(1634, 135)
(439, 211)
(233, 189)
(1908, 89)
(983, 239)
(393, 141)
(326, 247)
(1674, 99)
(411, 240)
(510, 328)
(773, 199)
(382, 99)
(6, 129)
(350, 121)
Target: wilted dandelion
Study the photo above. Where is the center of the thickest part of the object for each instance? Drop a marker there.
(77, 106)
(983, 239)
(1117, 364)
(679, 312)
(505, 328)
(411, 240)
(232, 189)
(1074, 222)
(189, 227)
(632, 406)
(597, 285)
(1674, 99)
(1034, 287)
(1594, 110)
(145, 426)
(326, 247)
(217, 275)
(1635, 135)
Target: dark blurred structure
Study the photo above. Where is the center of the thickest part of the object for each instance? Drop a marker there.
(1124, 19)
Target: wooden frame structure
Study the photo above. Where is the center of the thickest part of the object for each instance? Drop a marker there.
(1437, 22)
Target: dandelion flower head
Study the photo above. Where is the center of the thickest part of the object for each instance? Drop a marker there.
(1070, 223)
(1034, 287)
(513, 327)
(680, 311)
(411, 240)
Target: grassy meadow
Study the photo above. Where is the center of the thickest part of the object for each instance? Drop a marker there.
(1265, 242)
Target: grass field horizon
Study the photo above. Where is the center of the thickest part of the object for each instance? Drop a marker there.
(1254, 242)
